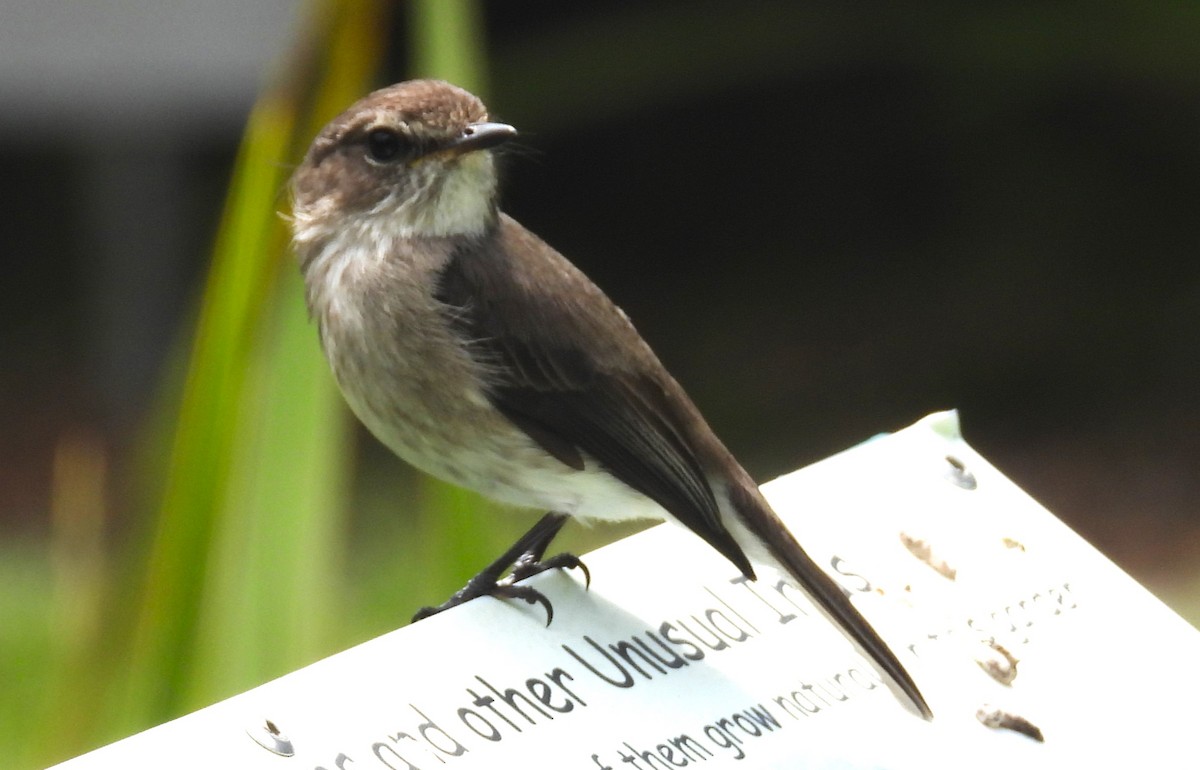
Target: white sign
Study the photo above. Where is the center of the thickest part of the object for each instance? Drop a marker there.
(1032, 649)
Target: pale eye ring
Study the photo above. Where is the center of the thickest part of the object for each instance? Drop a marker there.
(386, 145)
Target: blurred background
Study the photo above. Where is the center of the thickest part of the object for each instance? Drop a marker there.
(829, 219)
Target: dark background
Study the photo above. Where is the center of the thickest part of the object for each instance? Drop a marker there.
(829, 220)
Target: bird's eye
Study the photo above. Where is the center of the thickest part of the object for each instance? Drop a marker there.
(385, 145)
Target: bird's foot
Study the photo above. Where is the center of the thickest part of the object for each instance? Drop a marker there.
(525, 558)
(530, 564)
(488, 583)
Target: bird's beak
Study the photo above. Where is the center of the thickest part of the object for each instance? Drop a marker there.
(479, 136)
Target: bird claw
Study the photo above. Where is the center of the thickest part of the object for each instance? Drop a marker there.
(486, 584)
(528, 566)
(526, 594)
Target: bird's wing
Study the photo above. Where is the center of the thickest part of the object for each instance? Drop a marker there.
(572, 373)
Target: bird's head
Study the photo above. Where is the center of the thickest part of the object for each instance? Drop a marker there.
(411, 158)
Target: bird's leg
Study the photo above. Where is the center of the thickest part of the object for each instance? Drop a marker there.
(525, 558)
(531, 562)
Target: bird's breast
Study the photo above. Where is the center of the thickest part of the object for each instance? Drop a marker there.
(390, 344)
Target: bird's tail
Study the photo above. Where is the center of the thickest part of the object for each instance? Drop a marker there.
(829, 597)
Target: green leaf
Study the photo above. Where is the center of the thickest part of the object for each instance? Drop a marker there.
(247, 552)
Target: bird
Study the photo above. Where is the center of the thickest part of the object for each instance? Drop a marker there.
(480, 355)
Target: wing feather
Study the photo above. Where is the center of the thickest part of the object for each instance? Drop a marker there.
(574, 375)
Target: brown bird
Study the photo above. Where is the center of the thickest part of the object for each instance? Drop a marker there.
(480, 355)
